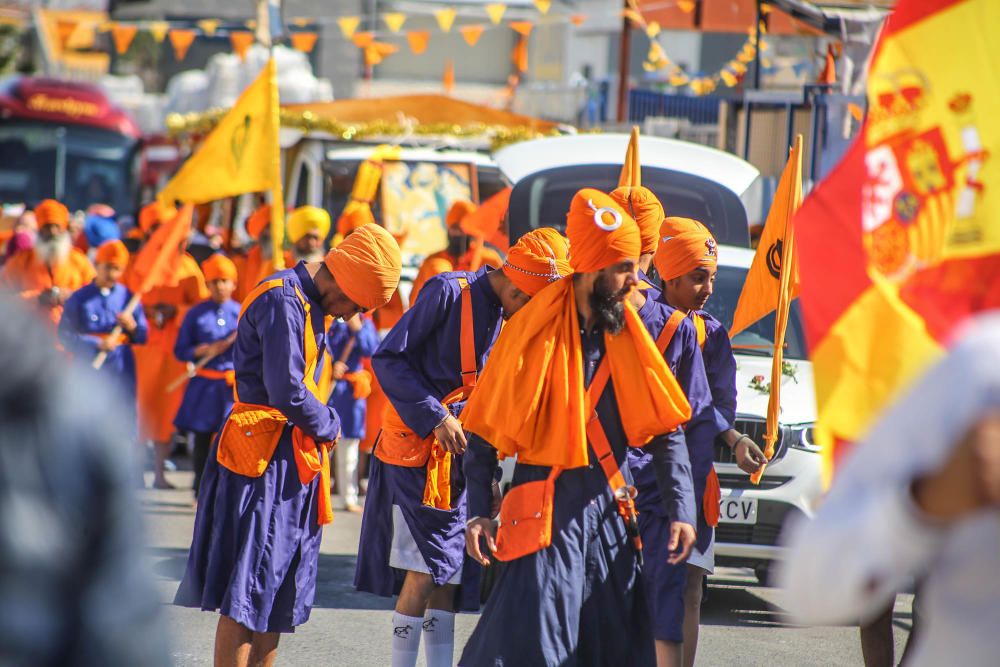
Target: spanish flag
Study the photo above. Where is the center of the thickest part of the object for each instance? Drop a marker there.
(240, 155)
(901, 244)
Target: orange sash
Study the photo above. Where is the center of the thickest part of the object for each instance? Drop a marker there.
(251, 432)
(399, 445)
(361, 383)
(211, 374)
(120, 339)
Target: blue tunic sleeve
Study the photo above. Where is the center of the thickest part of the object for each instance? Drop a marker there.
(367, 339)
(479, 463)
(187, 337)
(72, 328)
(720, 365)
(280, 322)
(673, 476)
(417, 402)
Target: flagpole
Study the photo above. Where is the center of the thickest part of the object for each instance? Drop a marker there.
(265, 34)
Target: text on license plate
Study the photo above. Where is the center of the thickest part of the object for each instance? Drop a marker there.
(737, 509)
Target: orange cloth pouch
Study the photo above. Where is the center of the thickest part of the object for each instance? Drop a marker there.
(710, 503)
(398, 445)
(526, 518)
(249, 437)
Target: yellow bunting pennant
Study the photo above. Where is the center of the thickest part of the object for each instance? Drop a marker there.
(363, 39)
(445, 19)
(376, 52)
(158, 29)
(303, 41)
(251, 24)
(728, 78)
(471, 33)
(578, 19)
(122, 35)
(686, 6)
(181, 40)
(417, 39)
(679, 79)
(394, 20)
(543, 5)
(105, 26)
(348, 25)
(241, 41)
(652, 30)
(738, 67)
(522, 28)
(65, 30)
(448, 77)
(208, 26)
(495, 11)
(302, 21)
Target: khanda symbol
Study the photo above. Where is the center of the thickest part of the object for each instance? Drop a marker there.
(238, 140)
(774, 259)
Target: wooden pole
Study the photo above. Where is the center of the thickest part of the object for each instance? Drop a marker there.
(624, 52)
(102, 356)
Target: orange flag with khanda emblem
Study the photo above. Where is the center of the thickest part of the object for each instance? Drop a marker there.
(900, 244)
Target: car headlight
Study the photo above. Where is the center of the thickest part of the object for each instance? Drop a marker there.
(803, 437)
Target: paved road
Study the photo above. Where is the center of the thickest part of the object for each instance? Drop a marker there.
(742, 621)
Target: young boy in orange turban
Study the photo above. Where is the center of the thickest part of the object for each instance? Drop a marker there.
(571, 591)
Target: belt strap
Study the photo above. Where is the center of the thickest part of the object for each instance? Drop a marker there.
(467, 337)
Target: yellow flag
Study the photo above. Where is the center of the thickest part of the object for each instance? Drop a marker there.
(496, 11)
(209, 26)
(543, 5)
(348, 24)
(761, 289)
(394, 20)
(158, 29)
(240, 155)
(445, 18)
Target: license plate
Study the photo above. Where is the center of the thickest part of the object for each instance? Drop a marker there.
(737, 509)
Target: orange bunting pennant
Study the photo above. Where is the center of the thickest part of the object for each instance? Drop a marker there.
(394, 20)
(471, 33)
(65, 30)
(520, 55)
(445, 19)
(448, 78)
(348, 25)
(181, 40)
(303, 41)
(363, 39)
(158, 29)
(686, 6)
(543, 6)
(522, 28)
(578, 19)
(417, 39)
(376, 52)
(122, 35)
(496, 11)
(208, 26)
(241, 41)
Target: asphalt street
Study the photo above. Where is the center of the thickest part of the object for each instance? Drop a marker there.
(742, 622)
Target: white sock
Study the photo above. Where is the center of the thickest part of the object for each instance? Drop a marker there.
(439, 638)
(405, 639)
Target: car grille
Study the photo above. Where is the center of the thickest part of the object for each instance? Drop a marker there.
(755, 428)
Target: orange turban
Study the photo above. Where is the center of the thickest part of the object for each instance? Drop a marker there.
(153, 214)
(218, 267)
(112, 252)
(306, 219)
(258, 220)
(366, 266)
(51, 212)
(645, 209)
(538, 258)
(685, 244)
(458, 211)
(600, 232)
(354, 215)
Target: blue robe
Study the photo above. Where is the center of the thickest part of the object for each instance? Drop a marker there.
(417, 365)
(256, 540)
(720, 367)
(89, 312)
(579, 601)
(352, 410)
(206, 401)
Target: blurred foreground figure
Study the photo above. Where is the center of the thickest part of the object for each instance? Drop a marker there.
(73, 590)
(918, 499)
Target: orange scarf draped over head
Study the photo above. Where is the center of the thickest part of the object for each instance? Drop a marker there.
(538, 258)
(647, 211)
(685, 244)
(531, 397)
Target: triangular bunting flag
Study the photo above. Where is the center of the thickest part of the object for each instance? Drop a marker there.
(241, 41)
(448, 78)
(376, 52)
(520, 54)
(348, 24)
(394, 20)
(303, 41)
(363, 39)
(122, 35)
(181, 40)
(495, 11)
(522, 27)
(417, 39)
(471, 33)
(635, 17)
(652, 30)
(208, 26)
(65, 30)
(301, 21)
(543, 5)
(158, 29)
(578, 19)
(445, 18)
(686, 6)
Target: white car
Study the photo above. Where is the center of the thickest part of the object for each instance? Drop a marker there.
(717, 188)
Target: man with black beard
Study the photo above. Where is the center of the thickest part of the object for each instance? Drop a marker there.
(573, 382)
(52, 270)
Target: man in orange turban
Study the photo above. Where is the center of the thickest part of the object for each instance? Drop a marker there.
(259, 262)
(465, 252)
(647, 211)
(53, 269)
(308, 227)
(272, 453)
(427, 366)
(568, 526)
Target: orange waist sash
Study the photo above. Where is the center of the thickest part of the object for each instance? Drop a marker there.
(120, 339)
(212, 374)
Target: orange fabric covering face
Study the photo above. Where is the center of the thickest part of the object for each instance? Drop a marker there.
(646, 210)
(685, 244)
(258, 221)
(458, 211)
(51, 212)
(366, 266)
(112, 252)
(539, 258)
(531, 399)
(153, 214)
(600, 232)
(355, 215)
(218, 267)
